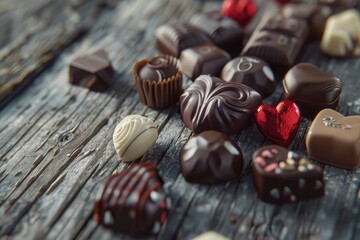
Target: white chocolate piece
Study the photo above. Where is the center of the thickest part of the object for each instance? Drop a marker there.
(134, 136)
(342, 34)
(210, 235)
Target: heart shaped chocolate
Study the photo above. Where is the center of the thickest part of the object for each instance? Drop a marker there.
(282, 176)
(279, 124)
(311, 89)
(334, 139)
(213, 104)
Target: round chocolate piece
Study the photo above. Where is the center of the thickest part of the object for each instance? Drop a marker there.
(311, 89)
(157, 69)
(133, 201)
(252, 72)
(211, 158)
(213, 104)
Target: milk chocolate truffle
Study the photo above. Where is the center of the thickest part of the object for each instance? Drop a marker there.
(282, 176)
(334, 139)
(92, 71)
(314, 15)
(134, 136)
(311, 89)
(203, 59)
(223, 31)
(211, 158)
(342, 34)
(158, 81)
(171, 39)
(252, 72)
(213, 104)
(133, 201)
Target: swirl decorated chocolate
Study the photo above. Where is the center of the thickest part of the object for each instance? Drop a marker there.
(213, 104)
(157, 69)
(132, 201)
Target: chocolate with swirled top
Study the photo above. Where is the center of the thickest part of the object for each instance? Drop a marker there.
(252, 72)
(157, 69)
(223, 31)
(213, 104)
(132, 201)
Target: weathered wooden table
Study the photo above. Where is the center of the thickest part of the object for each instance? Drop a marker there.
(56, 139)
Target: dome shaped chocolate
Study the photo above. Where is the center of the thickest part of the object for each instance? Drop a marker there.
(157, 69)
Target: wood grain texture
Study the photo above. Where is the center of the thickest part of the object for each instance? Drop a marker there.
(56, 139)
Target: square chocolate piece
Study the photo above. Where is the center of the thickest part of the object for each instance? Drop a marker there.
(173, 38)
(203, 59)
(223, 31)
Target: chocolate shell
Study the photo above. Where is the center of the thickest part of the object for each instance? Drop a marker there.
(213, 104)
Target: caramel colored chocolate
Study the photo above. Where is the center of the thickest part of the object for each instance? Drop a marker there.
(92, 71)
(334, 139)
(342, 34)
(210, 158)
(133, 201)
(204, 59)
(252, 72)
(282, 176)
(173, 38)
(313, 14)
(213, 104)
(311, 89)
(223, 31)
(134, 136)
(158, 81)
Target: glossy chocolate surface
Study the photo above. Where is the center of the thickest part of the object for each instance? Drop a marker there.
(132, 201)
(157, 69)
(311, 89)
(223, 31)
(93, 71)
(213, 104)
(210, 158)
(252, 72)
(334, 139)
(171, 39)
(281, 176)
(203, 59)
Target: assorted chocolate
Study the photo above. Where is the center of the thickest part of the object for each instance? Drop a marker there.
(277, 40)
(282, 176)
(223, 31)
(252, 72)
(158, 81)
(341, 37)
(210, 158)
(134, 136)
(279, 124)
(311, 89)
(334, 139)
(213, 104)
(132, 201)
(93, 71)
(203, 59)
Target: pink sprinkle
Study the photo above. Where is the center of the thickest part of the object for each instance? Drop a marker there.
(267, 154)
(271, 167)
(274, 151)
(260, 161)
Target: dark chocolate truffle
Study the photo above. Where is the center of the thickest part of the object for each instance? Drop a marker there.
(311, 89)
(211, 158)
(213, 104)
(92, 71)
(133, 201)
(252, 72)
(334, 139)
(223, 31)
(282, 176)
(158, 81)
(203, 59)
(173, 38)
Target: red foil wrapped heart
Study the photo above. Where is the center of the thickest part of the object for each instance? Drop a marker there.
(242, 11)
(279, 124)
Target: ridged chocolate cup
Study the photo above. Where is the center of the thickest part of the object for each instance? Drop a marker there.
(158, 93)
